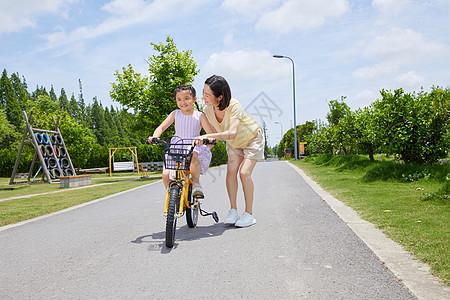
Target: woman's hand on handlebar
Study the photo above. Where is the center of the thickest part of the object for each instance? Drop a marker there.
(204, 140)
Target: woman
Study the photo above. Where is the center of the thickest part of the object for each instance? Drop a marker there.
(245, 144)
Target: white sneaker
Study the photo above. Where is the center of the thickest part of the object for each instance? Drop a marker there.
(232, 217)
(197, 190)
(246, 220)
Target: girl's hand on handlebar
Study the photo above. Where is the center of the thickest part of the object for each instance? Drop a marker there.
(152, 140)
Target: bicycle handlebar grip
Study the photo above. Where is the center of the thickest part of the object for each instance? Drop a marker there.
(206, 142)
(154, 141)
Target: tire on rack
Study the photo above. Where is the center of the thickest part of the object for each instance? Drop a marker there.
(192, 211)
(38, 137)
(52, 163)
(48, 150)
(68, 172)
(62, 152)
(45, 139)
(65, 163)
(171, 219)
(43, 151)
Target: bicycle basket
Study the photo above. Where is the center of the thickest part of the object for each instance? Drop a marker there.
(174, 155)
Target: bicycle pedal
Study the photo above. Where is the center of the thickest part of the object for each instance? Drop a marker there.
(199, 196)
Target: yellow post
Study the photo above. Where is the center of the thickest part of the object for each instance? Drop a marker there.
(137, 163)
(109, 149)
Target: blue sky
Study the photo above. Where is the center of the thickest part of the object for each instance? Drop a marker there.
(340, 48)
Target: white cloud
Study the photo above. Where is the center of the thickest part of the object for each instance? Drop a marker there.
(19, 14)
(249, 7)
(390, 7)
(253, 65)
(301, 14)
(124, 13)
(375, 71)
(410, 80)
(395, 48)
(364, 98)
(402, 46)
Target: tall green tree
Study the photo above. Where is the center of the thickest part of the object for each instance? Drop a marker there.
(74, 109)
(20, 90)
(99, 125)
(151, 97)
(113, 133)
(40, 91)
(9, 102)
(63, 101)
(52, 94)
(82, 104)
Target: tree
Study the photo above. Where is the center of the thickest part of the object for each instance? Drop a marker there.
(365, 135)
(20, 90)
(338, 110)
(79, 140)
(341, 124)
(52, 94)
(81, 104)
(151, 97)
(99, 126)
(74, 110)
(8, 135)
(414, 127)
(9, 102)
(63, 101)
(267, 150)
(304, 132)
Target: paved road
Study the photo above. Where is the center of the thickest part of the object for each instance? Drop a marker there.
(299, 249)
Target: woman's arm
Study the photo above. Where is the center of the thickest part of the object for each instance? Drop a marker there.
(225, 135)
(163, 126)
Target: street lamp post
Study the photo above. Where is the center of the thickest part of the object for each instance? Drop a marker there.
(281, 129)
(293, 96)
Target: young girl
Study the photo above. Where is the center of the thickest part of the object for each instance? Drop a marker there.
(188, 123)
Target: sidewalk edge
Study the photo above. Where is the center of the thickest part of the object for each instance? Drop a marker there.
(415, 275)
(6, 227)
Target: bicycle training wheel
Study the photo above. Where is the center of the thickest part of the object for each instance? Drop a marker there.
(171, 220)
(192, 211)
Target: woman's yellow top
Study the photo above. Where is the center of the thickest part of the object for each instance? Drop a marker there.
(247, 126)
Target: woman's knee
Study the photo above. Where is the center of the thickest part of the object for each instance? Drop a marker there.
(232, 170)
(245, 174)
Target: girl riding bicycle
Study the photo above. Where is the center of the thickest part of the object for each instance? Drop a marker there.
(188, 123)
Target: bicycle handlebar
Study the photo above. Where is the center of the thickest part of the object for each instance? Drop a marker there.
(156, 141)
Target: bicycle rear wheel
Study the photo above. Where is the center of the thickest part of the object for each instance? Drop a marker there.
(192, 211)
(171, 220)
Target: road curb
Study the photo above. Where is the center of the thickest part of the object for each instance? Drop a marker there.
(414, 274)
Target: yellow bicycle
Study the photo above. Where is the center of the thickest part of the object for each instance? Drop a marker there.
(179, 198)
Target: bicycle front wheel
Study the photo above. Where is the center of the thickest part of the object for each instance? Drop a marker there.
(171, 220)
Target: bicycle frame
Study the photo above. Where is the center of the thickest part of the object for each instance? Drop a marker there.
(183, 180)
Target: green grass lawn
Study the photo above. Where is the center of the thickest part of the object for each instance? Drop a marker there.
(411, 204)
(16, 210)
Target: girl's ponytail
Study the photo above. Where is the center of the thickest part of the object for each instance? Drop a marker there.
(198, 107)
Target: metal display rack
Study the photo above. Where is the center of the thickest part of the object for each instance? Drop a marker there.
(51, 151)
